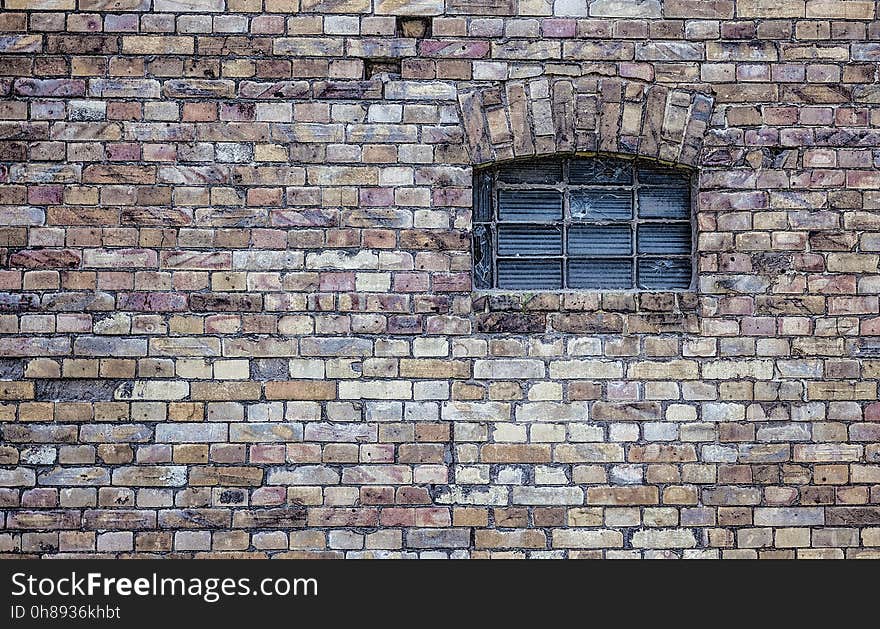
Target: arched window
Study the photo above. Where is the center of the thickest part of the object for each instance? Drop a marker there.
(582, 223)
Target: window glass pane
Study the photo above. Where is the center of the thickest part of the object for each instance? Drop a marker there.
(662, 176)
(529, 240)
(543, 171)
(530, 274)
(572, 222)
(600, 273)
(665, 203)
(664, 274)
(665, 239)
(600, 205)
(529, 205)
(599, 171)
(600, 240)
(482, 257)
(483, 197)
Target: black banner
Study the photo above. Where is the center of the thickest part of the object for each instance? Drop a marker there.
(240, 592)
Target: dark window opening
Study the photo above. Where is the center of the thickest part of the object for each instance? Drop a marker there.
(582, 223)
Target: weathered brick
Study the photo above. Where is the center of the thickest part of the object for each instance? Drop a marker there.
(438, 538)
(548, 495)
(194, 518)
(128, 519)
(265, 432)
(585, 369)
(191, 433)
(74, 476)
(377, 475)
(276, 518)
(150, 476)
(226, 476)
(43, 520)
(17, 477)
(509, 539)
(574, 538)
(645, 495)
(667, 370)
(626, 411)
(663, 538)
(552, 411)
(301, 390)
(515, 453)
(789, 516)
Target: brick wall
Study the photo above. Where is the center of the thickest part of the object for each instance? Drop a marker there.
(236, 312)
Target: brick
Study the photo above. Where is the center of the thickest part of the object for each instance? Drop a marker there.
(789, 516)
(49, 87)
(626, 411)
(150, 476)
(548, 496)
(265, 432)
(663, 538)
(721, 9)
(515, 369)
(837, 9)
(515, 453)
(219, 391)
(408, 7)
(303, 475)
(622, 495)
(44, 520)
(311, 46)
(377, 474)
(585, 369)
(573, 538)
(226, 476)
(852, 516)
(281, 517)
(21, 43)
(509, 539)
(153, 390)
(17, 477)
(737, 369)
(438, 538)
(552, 411)
(130, 519)
(196, 88)
(343, 517)
(293, 390)
(431, 368)
(191, 433)
(821, 453)
(116, 433)
(588, 453)
(45, 258)
(669, 370)
(188, 6)
(24, 216)
(75, 476)
(16, 390)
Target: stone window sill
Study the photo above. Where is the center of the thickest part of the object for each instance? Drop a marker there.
(585, 312)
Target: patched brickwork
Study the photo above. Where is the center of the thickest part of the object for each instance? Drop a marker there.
(236, 305)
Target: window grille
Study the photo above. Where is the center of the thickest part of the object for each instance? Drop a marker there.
(582, 223)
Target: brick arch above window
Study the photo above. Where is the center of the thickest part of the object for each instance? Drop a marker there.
(547, 115)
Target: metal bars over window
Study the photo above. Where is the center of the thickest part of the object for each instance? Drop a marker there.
(582, 223)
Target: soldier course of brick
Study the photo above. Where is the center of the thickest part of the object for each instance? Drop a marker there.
(237, 314)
